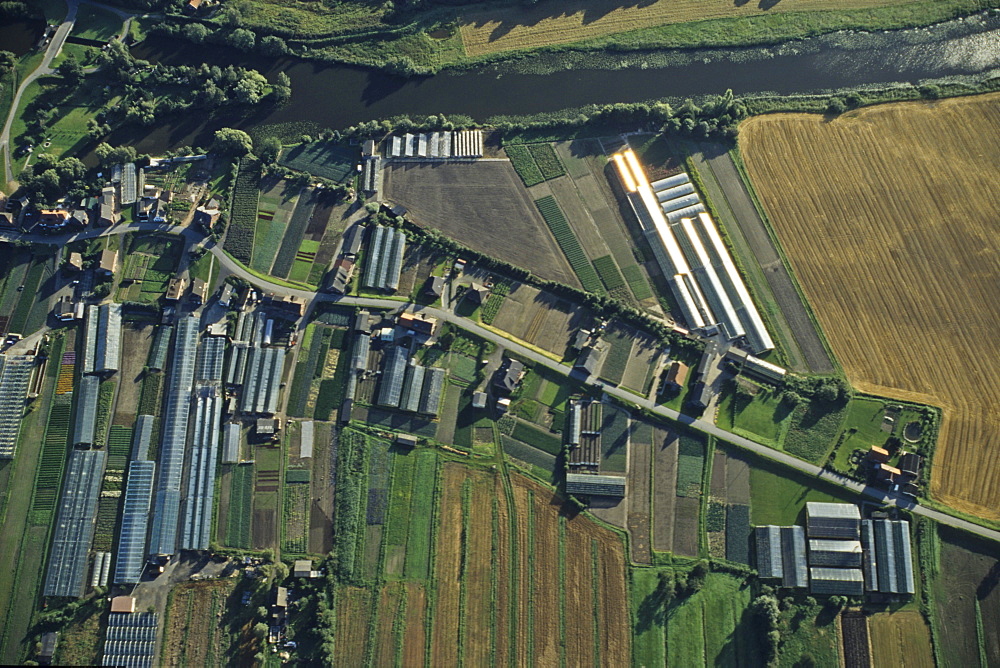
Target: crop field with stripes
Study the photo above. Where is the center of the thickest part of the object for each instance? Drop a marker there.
(478, 569)
(569, 244)
(899, 265)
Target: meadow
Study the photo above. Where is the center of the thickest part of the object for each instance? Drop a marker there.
(927, 198)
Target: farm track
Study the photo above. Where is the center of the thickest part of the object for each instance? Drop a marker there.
(899, 265)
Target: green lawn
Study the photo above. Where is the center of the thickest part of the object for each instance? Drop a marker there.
(97, 24)
(418, 539)
(648, 638)
(779, 495)
(709, 627)
(300, 271)
(763, 417)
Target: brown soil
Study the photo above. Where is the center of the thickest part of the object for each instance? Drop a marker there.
(384, 651)
(321, 512)
(545, 577)
(413, 637)
(638, 501)
(353, 610)
(664, 492)
(264, 529)
(135, 353)
(480, 571)
(186, 641)
(448, 568)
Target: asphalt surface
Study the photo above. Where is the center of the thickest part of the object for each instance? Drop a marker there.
(312, 298)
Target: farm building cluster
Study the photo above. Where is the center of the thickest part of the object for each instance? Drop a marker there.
(692, 256)
(838, 553)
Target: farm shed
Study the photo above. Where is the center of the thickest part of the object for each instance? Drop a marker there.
(345, 411)
(580, 339)
(107, 355)
(199, 291)
(74, 528)
(175, 288)
(430, 401)
(756, 367)
(479, 400)
(142, 434)
(835, 553)
(303, 568)
(831, 581)
(910, 464)
(15, 375)
(230, 443)
(702, 396)
(435, 287)
(833, 520)
(893, 556)
(589, 361)
(202, 457)
(130, 640)
(406, 440)
(122, 604)
(595, 485)
(477, 294)
(393, 375)
(575, 423)
(49, 642)
(64, 310)
(85, 423)
(131, 557)
(781, 554)
(166, 511)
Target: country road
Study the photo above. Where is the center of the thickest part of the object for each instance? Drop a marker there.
(781, 458)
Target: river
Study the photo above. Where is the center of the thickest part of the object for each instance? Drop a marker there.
(338, 96)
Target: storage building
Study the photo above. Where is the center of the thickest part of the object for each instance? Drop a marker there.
(836, 581)
(893, 556)
(586, 484)
(833, 520)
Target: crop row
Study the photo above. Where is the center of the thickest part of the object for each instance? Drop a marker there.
(537, 438)
(19, 318)
(243, 214)
(569, 244)
(637, 282)
(618, 357)
(493, 303)
(738, 533)
(524, 164)
(328, 159)
(107, 516)
(296, 520)
(64, 383)
(119, 446)
(240, 507)
(607, 269)
(105, 399)
(53, 457)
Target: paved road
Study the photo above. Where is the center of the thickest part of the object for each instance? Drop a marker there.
(754, 231)
(313, 298)
(62, 32)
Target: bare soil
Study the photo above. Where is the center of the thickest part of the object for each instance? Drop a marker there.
(541, 319)
(448, 569)
(135, 353)
(413, 637)
(664, 492)
(483, 205)
(321, 511)
(353, 612)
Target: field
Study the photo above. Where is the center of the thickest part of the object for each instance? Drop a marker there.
(966, 598)
(483, 206)
(900, 640)
(192, 607)
(96, 24)
(328, 160)
(728, 520)
(569, 244)
(898, 229)
(535, 163)
(240, 233)
(563, 21)
(540, 318)
(515, 579)
(780, 497)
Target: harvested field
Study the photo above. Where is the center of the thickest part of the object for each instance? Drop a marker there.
(639, 501)
(413, 637)
(321, 511)
(563, 21)
(885, 263)
(664, 492)
(642, 364)
(193, 606)
(854, 639)
(353, 610)
(384, 646)
(482, 205)
(900, 640)
(540, 319)
(448, 563)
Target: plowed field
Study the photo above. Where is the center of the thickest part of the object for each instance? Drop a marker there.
(888, 217)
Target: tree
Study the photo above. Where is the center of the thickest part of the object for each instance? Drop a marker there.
(71, 70)
(109, 155)
(242, 39)
(195, 32)
(281, 89)
(269, 149)
(250, 88)
(7, 60)
(273, 46)
(260, 629)
(230, 141)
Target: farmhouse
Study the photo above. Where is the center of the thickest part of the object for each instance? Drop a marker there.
(508, 375)
(109, 262)
(340, 275)
(580, 339)
(435, 287)
(781, 554)
(288, 305)
(199, 291)
(107, 209)
(677, 374)
(692, 256)
(587, 484)
(175, 288)
(64, 309)
(477, 294)
(878, 455)
(206, 216)
(422, 325)
(75, 262)
(589, 361)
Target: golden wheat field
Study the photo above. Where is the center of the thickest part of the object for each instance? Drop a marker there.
(900, 640)
(890, 217)
(564, 21)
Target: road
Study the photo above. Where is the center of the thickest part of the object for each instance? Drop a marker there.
(55, 46)
(233, 267)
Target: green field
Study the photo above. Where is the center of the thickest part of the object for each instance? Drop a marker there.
(240, 507)
(537, 438)
(243, 215)
(608, 271)
(524, 164)
(96, 24)
(637, 282)
(779, 495)
(814, 429)
(421, 516)
(548, 162)
(690, 465)
(329, 160)
(618, 355)
(762, 417)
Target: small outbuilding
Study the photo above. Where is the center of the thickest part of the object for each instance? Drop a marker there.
(124, 604)
(406, 440)
(479, 400)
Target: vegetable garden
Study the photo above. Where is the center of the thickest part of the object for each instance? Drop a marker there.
(569, 244)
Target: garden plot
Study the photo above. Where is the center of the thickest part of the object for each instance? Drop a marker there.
(639, 492)
(135, 352)
(728, 521)
(643, 364)
(901, 640)
(418, 264)
(482, 205)
(277, 203)
(540, 319)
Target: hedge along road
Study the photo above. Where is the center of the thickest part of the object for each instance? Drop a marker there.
(314, 298)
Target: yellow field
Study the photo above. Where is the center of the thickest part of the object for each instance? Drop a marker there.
(888, 216)
(563, 21)
(900, 640)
